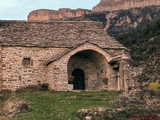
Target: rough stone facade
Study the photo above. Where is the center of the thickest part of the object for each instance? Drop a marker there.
(16, 75)
(51, 52)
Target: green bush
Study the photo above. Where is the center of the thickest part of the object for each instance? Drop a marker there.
(154, 85)
(145, 45)
(33, 88)
(44, 87)
(5, 94)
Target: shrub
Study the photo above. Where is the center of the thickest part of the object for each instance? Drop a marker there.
(44, 87)
(5, 94)
(31, 88)
(154, 85)
(104, 79)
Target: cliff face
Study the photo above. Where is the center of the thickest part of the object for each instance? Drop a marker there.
(112, 5)
(45, 14)
(119, 22)
(104, 5)
(115, 21)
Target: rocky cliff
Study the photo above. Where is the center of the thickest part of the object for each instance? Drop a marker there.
(115, 21)
(120, 22)
(46, 14)
(112, 5)
(104, 5)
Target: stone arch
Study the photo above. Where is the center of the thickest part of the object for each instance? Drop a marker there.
(89, 46)
(92, 57)
(94, 65)
(97, 61)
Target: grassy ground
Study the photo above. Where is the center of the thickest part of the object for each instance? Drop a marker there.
(53, 105)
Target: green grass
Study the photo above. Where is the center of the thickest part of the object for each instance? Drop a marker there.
(51, 105)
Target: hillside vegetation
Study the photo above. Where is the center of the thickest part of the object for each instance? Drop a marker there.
(145, 47)
(117, 23)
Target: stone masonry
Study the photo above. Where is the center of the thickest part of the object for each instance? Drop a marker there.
(16, 75)
(50, 52)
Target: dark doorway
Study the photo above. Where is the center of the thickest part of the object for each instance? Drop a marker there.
(79, 81)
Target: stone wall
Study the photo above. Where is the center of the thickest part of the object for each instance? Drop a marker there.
(90, 58)
(94, 66)
(16, 75)
(55, 65)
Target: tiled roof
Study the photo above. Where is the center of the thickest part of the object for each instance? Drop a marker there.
(54, 34)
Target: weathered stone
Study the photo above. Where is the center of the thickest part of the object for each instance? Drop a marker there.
(88, 118)
(113, 5)
(50, 52)
(55, 34)
(45, 14)
(128, 106)
(13, 106)
(100, 110)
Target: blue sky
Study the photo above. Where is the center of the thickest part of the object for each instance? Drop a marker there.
(19, 9)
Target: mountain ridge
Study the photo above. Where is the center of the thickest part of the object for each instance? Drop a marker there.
(112, 5)
(48, 14)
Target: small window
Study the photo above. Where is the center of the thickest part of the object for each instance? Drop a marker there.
(27, 62)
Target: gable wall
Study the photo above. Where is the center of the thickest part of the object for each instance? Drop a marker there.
(58, 71)
(16, 75)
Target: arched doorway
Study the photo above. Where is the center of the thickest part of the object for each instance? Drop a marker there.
(79, 79)
(93, 64)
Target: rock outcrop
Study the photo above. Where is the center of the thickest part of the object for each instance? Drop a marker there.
(143, 105)
(118, 16)
(46, 14)
(13, 106)
(112, 5)
(117, 23)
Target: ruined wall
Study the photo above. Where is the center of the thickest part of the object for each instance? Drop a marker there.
(112, 5)
(16, 75)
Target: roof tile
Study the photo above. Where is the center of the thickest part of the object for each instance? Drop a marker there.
(55, 34)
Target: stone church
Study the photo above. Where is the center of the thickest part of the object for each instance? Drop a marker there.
(68, 55)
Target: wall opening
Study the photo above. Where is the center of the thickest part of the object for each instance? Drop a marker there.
(27, 62)
(79, 79)
(94, 66)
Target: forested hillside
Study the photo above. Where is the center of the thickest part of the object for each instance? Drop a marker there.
(145, 47)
